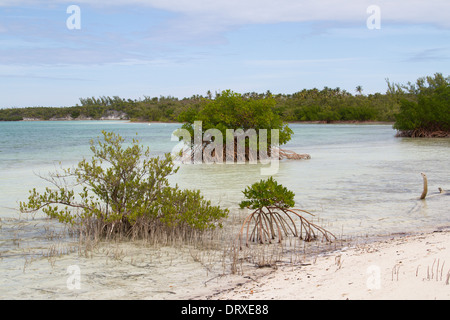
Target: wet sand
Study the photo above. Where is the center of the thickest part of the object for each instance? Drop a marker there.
(394, 268)
(399, 268)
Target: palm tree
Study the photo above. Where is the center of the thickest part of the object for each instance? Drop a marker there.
(359, 89)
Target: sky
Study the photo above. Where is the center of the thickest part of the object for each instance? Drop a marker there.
(52, 53)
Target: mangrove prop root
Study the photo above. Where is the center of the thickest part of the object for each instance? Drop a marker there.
(423, 133)
(188, 154)
(287, 154)
(275, 222)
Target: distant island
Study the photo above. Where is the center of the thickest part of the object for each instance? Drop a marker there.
(307, 105)
(418, 110)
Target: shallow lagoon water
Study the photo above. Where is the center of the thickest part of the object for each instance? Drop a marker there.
(361, 180)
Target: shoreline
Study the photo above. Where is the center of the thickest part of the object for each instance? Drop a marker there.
(374, 122)
(397, 267)
(370, 122)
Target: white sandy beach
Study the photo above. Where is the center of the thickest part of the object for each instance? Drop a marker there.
(402, 268)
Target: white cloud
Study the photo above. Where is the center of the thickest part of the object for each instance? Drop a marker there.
(296, 62)
(202, 23)
(236, 12)
(274, 11)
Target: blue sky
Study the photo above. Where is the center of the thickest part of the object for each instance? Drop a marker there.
(140, 48)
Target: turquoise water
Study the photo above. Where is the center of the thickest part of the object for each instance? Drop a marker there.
(31, 148)
(360, 181)
(361, 177)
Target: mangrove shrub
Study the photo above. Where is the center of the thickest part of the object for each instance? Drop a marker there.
(233, 111)
(425, 110)
(273, 215)
(123, 191)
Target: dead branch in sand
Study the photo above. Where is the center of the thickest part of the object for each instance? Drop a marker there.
(425, 188)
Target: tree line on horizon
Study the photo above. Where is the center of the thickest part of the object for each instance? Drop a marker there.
(307, 105)
(415, 107)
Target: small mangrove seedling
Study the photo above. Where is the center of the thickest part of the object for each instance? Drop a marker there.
(274, 215)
